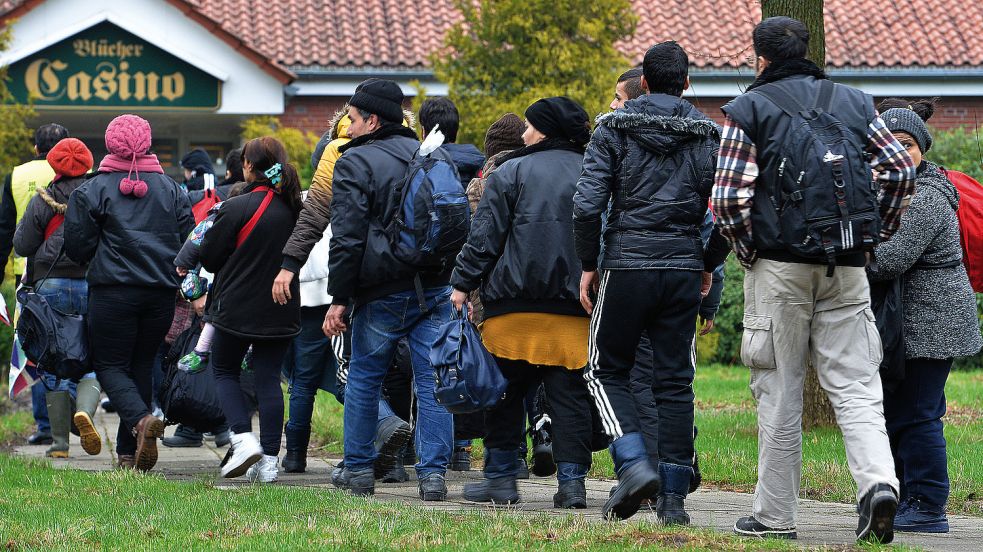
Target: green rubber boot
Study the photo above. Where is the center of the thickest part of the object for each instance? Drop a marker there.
(86, 402)
(60, 415)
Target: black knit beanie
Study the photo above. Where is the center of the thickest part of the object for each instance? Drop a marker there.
(560, 117)
(381, 97)
(505, 134)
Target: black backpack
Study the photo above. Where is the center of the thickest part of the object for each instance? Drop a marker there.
(825, 195)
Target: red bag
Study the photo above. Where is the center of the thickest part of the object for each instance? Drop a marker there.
(970, 215)
(200, 209)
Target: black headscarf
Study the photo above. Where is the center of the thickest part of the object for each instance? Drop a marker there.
(560, 117)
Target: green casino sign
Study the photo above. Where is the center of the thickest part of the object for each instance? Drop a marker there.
(105, 67)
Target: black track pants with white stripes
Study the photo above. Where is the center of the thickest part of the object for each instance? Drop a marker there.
(665, 304)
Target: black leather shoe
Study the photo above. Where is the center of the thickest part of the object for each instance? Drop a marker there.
(501, 490)
(40, 438)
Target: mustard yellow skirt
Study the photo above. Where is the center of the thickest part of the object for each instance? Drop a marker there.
(538, 338)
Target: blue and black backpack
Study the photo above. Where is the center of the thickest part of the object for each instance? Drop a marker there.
(432, 216)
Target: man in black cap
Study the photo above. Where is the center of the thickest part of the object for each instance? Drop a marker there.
(380, 291)
(650, 166)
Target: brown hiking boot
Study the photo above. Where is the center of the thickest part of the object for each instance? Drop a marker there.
(148, 430)
(91, 441)
(125, 462)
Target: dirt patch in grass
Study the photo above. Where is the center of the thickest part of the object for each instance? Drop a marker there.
(962, 415)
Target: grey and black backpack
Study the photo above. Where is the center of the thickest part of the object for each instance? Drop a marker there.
(824, 194)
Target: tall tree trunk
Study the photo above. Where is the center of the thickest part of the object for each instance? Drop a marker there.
(816, 409)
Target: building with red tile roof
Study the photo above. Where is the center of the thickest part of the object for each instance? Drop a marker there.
(316, 51)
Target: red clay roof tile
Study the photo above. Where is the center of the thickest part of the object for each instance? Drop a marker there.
(403, 33)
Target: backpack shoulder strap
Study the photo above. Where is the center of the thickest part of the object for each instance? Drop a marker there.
(824, 100)
(53, 225)
(251, 223)
(777, 95)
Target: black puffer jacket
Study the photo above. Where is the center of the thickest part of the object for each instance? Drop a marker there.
(520, 249)
(362, 264)
(29, 239)
(653, 162)
(240, 302)
(128, 240)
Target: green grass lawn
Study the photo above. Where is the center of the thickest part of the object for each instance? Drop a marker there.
(727, 443)
(42, 508)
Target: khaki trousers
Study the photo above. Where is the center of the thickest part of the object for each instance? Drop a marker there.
(796, 316)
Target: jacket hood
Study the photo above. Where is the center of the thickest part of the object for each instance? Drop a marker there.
(661, 123)
(56, 194)
(931, 176)
(338, 125)
(467, 157)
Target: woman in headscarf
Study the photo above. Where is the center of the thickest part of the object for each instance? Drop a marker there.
(520, 252)
(940, 323)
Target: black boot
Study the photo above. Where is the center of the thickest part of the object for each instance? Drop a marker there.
(571, 495)
(671, 511)
(295, 461)
(502, 490)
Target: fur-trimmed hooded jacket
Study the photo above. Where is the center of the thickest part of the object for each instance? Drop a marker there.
(29, 239)
(651, 166)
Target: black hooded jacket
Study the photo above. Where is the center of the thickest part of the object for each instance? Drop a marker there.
(651, 166)
(520, 249)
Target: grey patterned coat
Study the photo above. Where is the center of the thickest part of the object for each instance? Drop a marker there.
(940, 319)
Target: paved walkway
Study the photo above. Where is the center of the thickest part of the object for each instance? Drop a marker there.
(819, 522)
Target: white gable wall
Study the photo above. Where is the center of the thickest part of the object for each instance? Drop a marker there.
(246, 88)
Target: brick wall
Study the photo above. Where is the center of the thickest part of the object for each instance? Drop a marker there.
(313, 113)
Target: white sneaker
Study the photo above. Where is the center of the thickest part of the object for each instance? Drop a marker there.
(244, 452)
(264, 471)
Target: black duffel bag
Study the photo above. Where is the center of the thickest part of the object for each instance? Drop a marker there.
(886, 302)
(189, 398)
(56, 342)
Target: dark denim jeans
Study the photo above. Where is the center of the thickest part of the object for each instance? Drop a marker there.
(376, 328)
(309, 359)
(913, 416)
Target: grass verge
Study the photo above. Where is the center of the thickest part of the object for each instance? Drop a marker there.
(42, 508)
(728, 440)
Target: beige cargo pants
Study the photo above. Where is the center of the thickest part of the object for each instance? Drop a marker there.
(794, 315)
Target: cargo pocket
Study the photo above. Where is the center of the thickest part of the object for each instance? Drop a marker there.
(757, 343)
(875, 347)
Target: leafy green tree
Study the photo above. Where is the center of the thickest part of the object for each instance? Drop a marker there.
(299, 144)
(505, 54)
(959, 149)
(16, 139)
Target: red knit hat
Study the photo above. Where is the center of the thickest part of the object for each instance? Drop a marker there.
(70, 158)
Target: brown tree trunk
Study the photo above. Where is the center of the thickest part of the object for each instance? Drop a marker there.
(816, 409)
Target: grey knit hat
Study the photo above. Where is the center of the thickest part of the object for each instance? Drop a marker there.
(905, 120)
